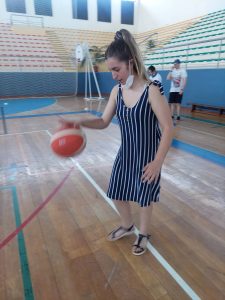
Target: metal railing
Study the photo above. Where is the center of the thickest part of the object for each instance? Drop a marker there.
(36, 63)
(186, 48)
(19, 19)
(19, 63)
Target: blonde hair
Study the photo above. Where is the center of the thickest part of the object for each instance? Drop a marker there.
(125, 48)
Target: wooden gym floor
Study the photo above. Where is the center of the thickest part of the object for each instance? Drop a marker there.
(63, 254)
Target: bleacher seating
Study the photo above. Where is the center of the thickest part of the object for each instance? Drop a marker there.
(69, 38)
(51, 50)
(199, 45)
(22, 51)
(163, 35)
(197, 42)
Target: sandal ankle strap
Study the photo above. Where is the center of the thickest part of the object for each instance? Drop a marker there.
(140, 238)
(128, 229)
(144, 236)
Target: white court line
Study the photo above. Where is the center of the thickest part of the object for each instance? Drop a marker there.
(202, 132)
(44, 173)
(154, 252)
(20, 133)
(189, 291)
(29, 172)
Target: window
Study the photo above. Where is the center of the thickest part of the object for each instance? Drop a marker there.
(127, 12)
(104, 10)
(80, 10)
(43, 7)
(17, 6)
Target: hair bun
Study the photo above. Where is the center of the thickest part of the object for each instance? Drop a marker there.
(118, 36)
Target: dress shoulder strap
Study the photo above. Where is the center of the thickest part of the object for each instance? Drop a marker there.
(119, 93)
(158, 84)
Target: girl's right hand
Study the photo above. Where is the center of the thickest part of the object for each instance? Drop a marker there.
(68, 124)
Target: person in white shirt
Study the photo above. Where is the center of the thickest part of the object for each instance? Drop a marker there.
(153, 74)
(178, 79)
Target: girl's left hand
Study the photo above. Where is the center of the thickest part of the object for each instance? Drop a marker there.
(151, 171)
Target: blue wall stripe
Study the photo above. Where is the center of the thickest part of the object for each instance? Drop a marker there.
(30, 84)
(201, 84)
(205, 86)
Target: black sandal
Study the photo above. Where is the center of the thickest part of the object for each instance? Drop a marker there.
(124, 232)
(140, 245)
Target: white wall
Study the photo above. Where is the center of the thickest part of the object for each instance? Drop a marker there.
(62, 16)
(158, 13)
(149, 14)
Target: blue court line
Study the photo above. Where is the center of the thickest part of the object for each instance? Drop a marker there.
(27, 283)
(203, 120)
(195, 150)
(203, 153)
(214, 157)
(95, 113)
(49, 114)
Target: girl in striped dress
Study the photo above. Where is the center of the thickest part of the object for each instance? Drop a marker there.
(140, 108)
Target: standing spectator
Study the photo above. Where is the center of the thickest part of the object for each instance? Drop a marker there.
(178, 79)
(153, 74)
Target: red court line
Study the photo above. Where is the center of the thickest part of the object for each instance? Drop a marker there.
(35, 212)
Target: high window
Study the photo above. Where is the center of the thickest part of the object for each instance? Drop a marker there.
(17, 6)
(104, 10)
(43, 7)
(80, 9)
(127, 12)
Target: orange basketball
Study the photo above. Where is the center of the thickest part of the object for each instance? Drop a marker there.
(68, 142)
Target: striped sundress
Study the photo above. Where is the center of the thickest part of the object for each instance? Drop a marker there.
(140, 135)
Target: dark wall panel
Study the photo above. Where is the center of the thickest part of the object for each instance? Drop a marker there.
(43, 7)
(17, 6)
